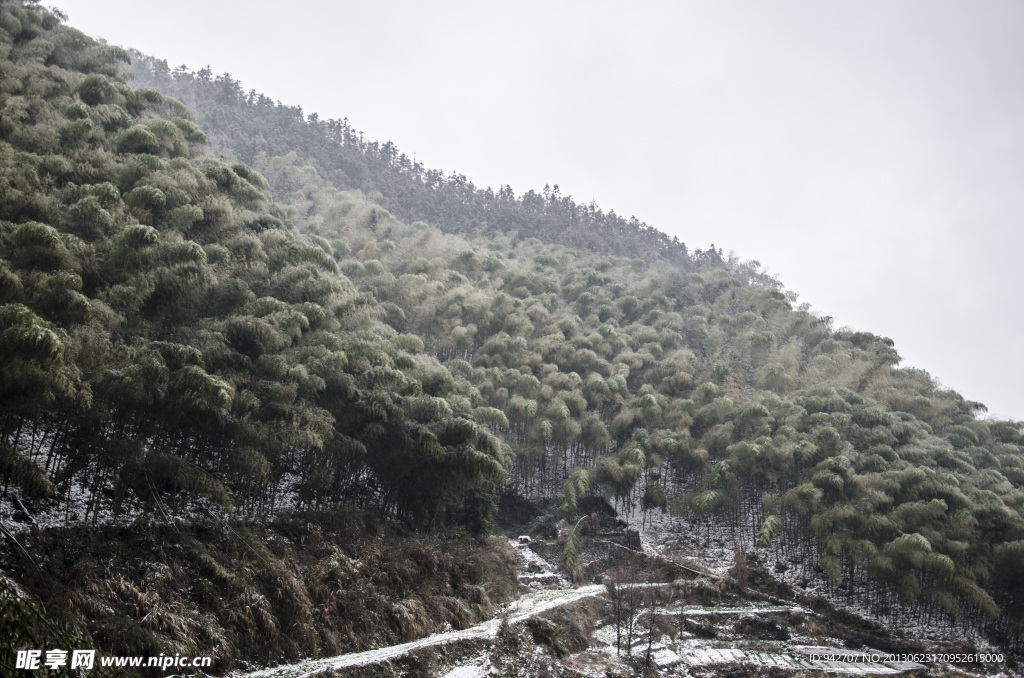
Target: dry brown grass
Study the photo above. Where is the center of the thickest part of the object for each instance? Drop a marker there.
(309, 586)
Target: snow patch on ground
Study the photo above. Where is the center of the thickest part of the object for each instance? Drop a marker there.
(538, 573)
(477, 668)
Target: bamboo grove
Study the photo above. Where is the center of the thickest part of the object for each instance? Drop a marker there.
(167, 337)
(182, 332)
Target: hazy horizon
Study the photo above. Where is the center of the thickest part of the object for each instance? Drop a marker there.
(869, 155)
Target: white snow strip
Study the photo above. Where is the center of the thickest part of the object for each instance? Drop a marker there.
(665, 658)
(468, 671)
(528, 606)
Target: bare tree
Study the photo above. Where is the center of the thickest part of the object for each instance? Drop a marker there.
(652, 598)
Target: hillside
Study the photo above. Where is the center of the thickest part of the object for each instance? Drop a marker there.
(250, 125)
(315, 355)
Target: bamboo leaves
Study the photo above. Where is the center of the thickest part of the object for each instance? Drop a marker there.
(771, 526)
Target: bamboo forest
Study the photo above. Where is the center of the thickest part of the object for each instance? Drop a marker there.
(271, 391)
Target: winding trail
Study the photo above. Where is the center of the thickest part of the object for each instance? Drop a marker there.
(556, 593)
(528, 606)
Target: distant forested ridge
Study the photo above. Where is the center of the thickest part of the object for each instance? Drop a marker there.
(184, 335)
(250, 124)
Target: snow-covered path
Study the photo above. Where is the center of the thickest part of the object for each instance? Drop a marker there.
(690, 652)
(528, 606)
(520, 610)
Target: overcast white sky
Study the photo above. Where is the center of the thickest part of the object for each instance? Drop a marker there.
(871, 154)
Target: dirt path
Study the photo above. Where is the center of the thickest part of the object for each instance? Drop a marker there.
(527, 606)
(692, 652)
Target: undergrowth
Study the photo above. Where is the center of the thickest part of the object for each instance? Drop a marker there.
(303, 586)
(26, 625)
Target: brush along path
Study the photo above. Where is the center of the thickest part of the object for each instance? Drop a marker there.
(528, 606)
(672, 656)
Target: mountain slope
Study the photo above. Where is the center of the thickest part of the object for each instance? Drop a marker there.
(852, 417)
(176, 343)
(250, 124)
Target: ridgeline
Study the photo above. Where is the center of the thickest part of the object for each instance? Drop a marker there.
(238, 342)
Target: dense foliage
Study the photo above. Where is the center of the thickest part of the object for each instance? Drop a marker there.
(166, 334)
(174, 339)
(251, 126)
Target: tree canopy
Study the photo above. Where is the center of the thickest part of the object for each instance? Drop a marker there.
(301, 318)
